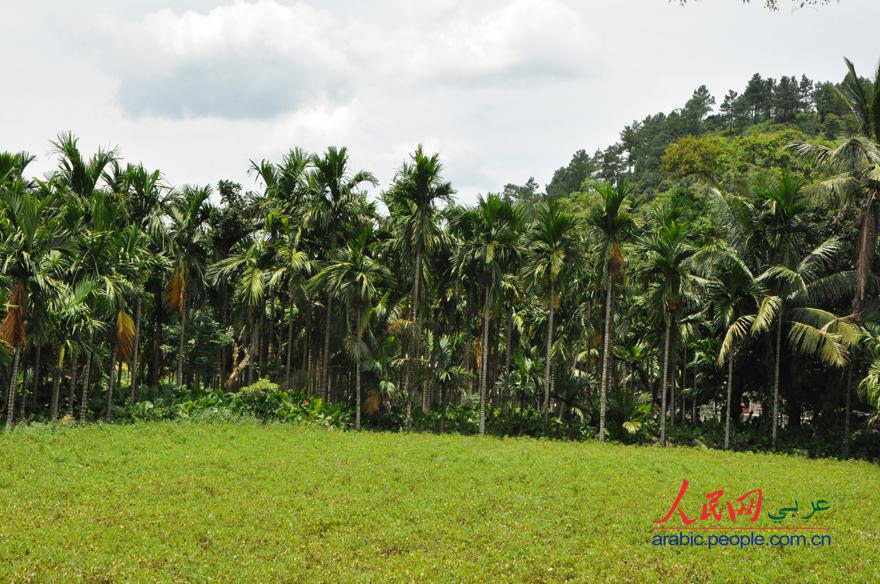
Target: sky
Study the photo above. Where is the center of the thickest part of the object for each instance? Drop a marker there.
(502, 89)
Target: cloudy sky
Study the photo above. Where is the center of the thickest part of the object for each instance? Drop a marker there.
(503, 89)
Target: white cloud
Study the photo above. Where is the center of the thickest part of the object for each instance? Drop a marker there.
(260, 59)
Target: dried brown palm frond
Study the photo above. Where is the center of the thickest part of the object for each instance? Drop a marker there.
(176, 292)
(12, 328)
(124, 336)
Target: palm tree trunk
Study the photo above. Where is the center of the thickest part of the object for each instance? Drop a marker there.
(181, 348)
(671, 398)
(36, 380)
(684, 365)
(134, 353)
(846, 412)
(84, 405)
(357, 374)
(56, 385)
(325, 360)
(606, 359)
(417, 280)
(71, 391)
(776, 376)
(729, 396)
(111, 380)
(663, 382)
(484, 358)
(289, 338)
(10, 399)
(547, 360)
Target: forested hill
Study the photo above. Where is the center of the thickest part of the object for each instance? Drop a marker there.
(746, 130)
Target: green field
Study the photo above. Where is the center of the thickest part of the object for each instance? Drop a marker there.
(245, 502)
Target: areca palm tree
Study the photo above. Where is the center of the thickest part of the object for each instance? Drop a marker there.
(293, 265)
(187, 212)
(335, 194)
(353, 277)
(666, 256)
(31, 233)
(855, 168)
(488, 252)
(248, 266)
(551, 246)
(612, 221)
(412, 202)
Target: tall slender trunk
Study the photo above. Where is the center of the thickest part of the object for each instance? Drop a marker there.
(414, 341)
(36, 380)
(547, 360)
(271, 349)
(606, 358)
(357, 374)
(10, 399)
(484, 361)
(111, 380)
(663, 382)
(289, 338)
(134, 353)
(508, 340)
(56, 385)
(84, 405)
(71, 391)
(181, 349)
(684, 366)
(308, 348)
(24, 391)
(729, 396)
(671, 398)
(776, 376)
(325, 360)
(846, 412)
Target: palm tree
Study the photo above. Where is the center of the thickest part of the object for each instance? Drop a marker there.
(488, 252)
(666, 266)
(335, 195)
(813, 331)
(353, 277)
(187, 212)
(293, 265)
(31, 234)
(552, 246)
(855, 168)
(731, 292)
(612, 221)
(412, 203)
(248, 264)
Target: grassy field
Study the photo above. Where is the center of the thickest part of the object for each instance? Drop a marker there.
(242, 502)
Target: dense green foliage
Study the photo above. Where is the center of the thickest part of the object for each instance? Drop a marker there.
(253, 503)
(707, 278)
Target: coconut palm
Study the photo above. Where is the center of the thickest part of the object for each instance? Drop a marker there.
(552, 246)
(733, 294)
(488, 252)
(813, 331)
(855, 168)
(612, 222)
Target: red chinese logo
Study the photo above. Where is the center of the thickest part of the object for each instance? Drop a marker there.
(749, 504)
